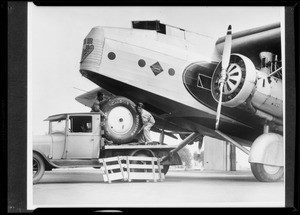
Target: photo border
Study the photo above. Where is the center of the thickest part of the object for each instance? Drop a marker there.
(16, 99)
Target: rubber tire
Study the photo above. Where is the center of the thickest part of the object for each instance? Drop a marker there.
(165, 169)
(261, 175)
(40, 167)
(140, 154)
(130, 106)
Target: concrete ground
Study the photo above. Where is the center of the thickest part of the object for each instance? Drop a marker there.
(85, 188)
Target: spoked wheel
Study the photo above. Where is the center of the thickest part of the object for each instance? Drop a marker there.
(38, 167)
(267, 173)
(149, 169)
(141, 162)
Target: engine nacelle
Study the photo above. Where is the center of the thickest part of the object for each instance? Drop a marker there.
(240, 81)
(267, 96)
(249, 88)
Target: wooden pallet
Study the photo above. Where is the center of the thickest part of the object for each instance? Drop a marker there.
(128, 168)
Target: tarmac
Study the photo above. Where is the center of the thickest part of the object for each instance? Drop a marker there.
(85, 188)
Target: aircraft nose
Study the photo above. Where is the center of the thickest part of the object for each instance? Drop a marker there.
(92, 50)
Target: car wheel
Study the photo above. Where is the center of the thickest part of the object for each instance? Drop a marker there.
(38, 167)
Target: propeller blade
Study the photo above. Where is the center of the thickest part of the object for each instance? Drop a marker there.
(219, 105)
(227, 49)
(225, 64)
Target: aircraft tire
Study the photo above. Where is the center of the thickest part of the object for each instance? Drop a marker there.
(123, 122)
(38, 168)
(267, 173)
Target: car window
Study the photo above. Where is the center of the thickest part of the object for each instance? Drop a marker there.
(58, 126)
(80, 124)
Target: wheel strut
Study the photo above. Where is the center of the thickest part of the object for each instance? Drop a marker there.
(233, 142)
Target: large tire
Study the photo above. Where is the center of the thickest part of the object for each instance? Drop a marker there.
(38, 167)
(123, 122)
(266, 173)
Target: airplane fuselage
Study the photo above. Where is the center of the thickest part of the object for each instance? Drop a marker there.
(155, 68)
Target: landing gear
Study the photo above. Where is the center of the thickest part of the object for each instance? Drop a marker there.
(266, 158)
(267, 173)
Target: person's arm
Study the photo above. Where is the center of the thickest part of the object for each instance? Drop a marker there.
(102, 113)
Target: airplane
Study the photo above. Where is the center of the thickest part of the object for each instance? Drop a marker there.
(194, 85)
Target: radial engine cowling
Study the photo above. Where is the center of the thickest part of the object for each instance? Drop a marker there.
(239, 83)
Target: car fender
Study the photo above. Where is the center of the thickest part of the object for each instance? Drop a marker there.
(47, 161)
(43, 144)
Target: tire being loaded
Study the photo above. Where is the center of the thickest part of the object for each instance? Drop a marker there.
(123, 122)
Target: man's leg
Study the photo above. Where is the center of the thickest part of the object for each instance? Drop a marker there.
(141, 138)
(146, 132)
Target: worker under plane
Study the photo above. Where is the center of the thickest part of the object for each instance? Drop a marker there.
(229, 88)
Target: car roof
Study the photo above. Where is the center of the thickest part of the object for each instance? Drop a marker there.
(64, 115)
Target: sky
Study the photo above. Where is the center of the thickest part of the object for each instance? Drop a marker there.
(55, 38)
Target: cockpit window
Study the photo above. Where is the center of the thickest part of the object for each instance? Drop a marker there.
(82, 124)
(150, 25)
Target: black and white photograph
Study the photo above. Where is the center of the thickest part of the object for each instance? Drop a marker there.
(156, 106)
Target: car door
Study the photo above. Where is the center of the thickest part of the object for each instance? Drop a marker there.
(80, 139)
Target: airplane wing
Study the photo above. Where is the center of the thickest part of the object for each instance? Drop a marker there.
(251, 42)
(161, 123)
(88, 98)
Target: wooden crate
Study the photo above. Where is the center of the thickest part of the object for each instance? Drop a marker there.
(128, 168)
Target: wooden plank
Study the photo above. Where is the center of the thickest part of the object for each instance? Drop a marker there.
(143, 166)
(106, 171)
(113, 176)
(137, 158)
(143, 175)
(121, 168)
(115, 166)
(159, 170)
(128, 169)
(153, 170)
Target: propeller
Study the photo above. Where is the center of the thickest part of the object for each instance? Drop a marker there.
(225, 64)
